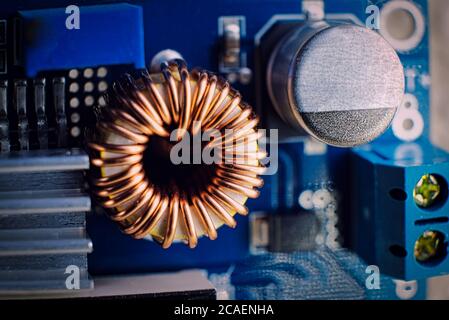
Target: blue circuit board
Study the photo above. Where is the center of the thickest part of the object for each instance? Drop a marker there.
(311, 177)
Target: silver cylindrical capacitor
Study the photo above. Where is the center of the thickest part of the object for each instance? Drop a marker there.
(342, 83)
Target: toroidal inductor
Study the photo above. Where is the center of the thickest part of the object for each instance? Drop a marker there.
(133, 175)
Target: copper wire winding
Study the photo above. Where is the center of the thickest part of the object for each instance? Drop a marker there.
(137, 111)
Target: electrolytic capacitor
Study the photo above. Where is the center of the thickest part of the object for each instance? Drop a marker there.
(341, 83)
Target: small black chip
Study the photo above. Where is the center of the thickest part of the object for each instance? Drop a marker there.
(293, 232)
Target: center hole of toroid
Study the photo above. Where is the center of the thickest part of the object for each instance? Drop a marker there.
(167, 174)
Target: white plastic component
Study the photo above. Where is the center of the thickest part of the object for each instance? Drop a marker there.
(163, 56)
(416, 36)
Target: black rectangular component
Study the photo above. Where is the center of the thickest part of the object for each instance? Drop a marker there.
(293, 232)
(2, 32)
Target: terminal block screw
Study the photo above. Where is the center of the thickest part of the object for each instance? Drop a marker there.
(429, 246)
(426, 191)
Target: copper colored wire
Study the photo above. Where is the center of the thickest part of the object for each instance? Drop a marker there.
(218, 101)
(205, 218)
(157, 98)
(228, 201)
(230, 184)
(124, 149)
(154, 219)
(221, 212)
(184, 122)
(172, 92)
(129, 120)
(119, 188)
(188, 220)
(249, 168)
(124, 132)
(125, 197)
(117, 162)
(141, 204)
(201, 87)
(172, 221)
(109, 181)
(139, 110)
(241, 177)
(244, 140)
(153, 205)
(224, 112)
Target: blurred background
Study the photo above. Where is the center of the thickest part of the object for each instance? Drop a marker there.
(439, 44)
(439, 29)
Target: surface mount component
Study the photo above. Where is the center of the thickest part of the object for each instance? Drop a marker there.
(138, 182)
(342, 83)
